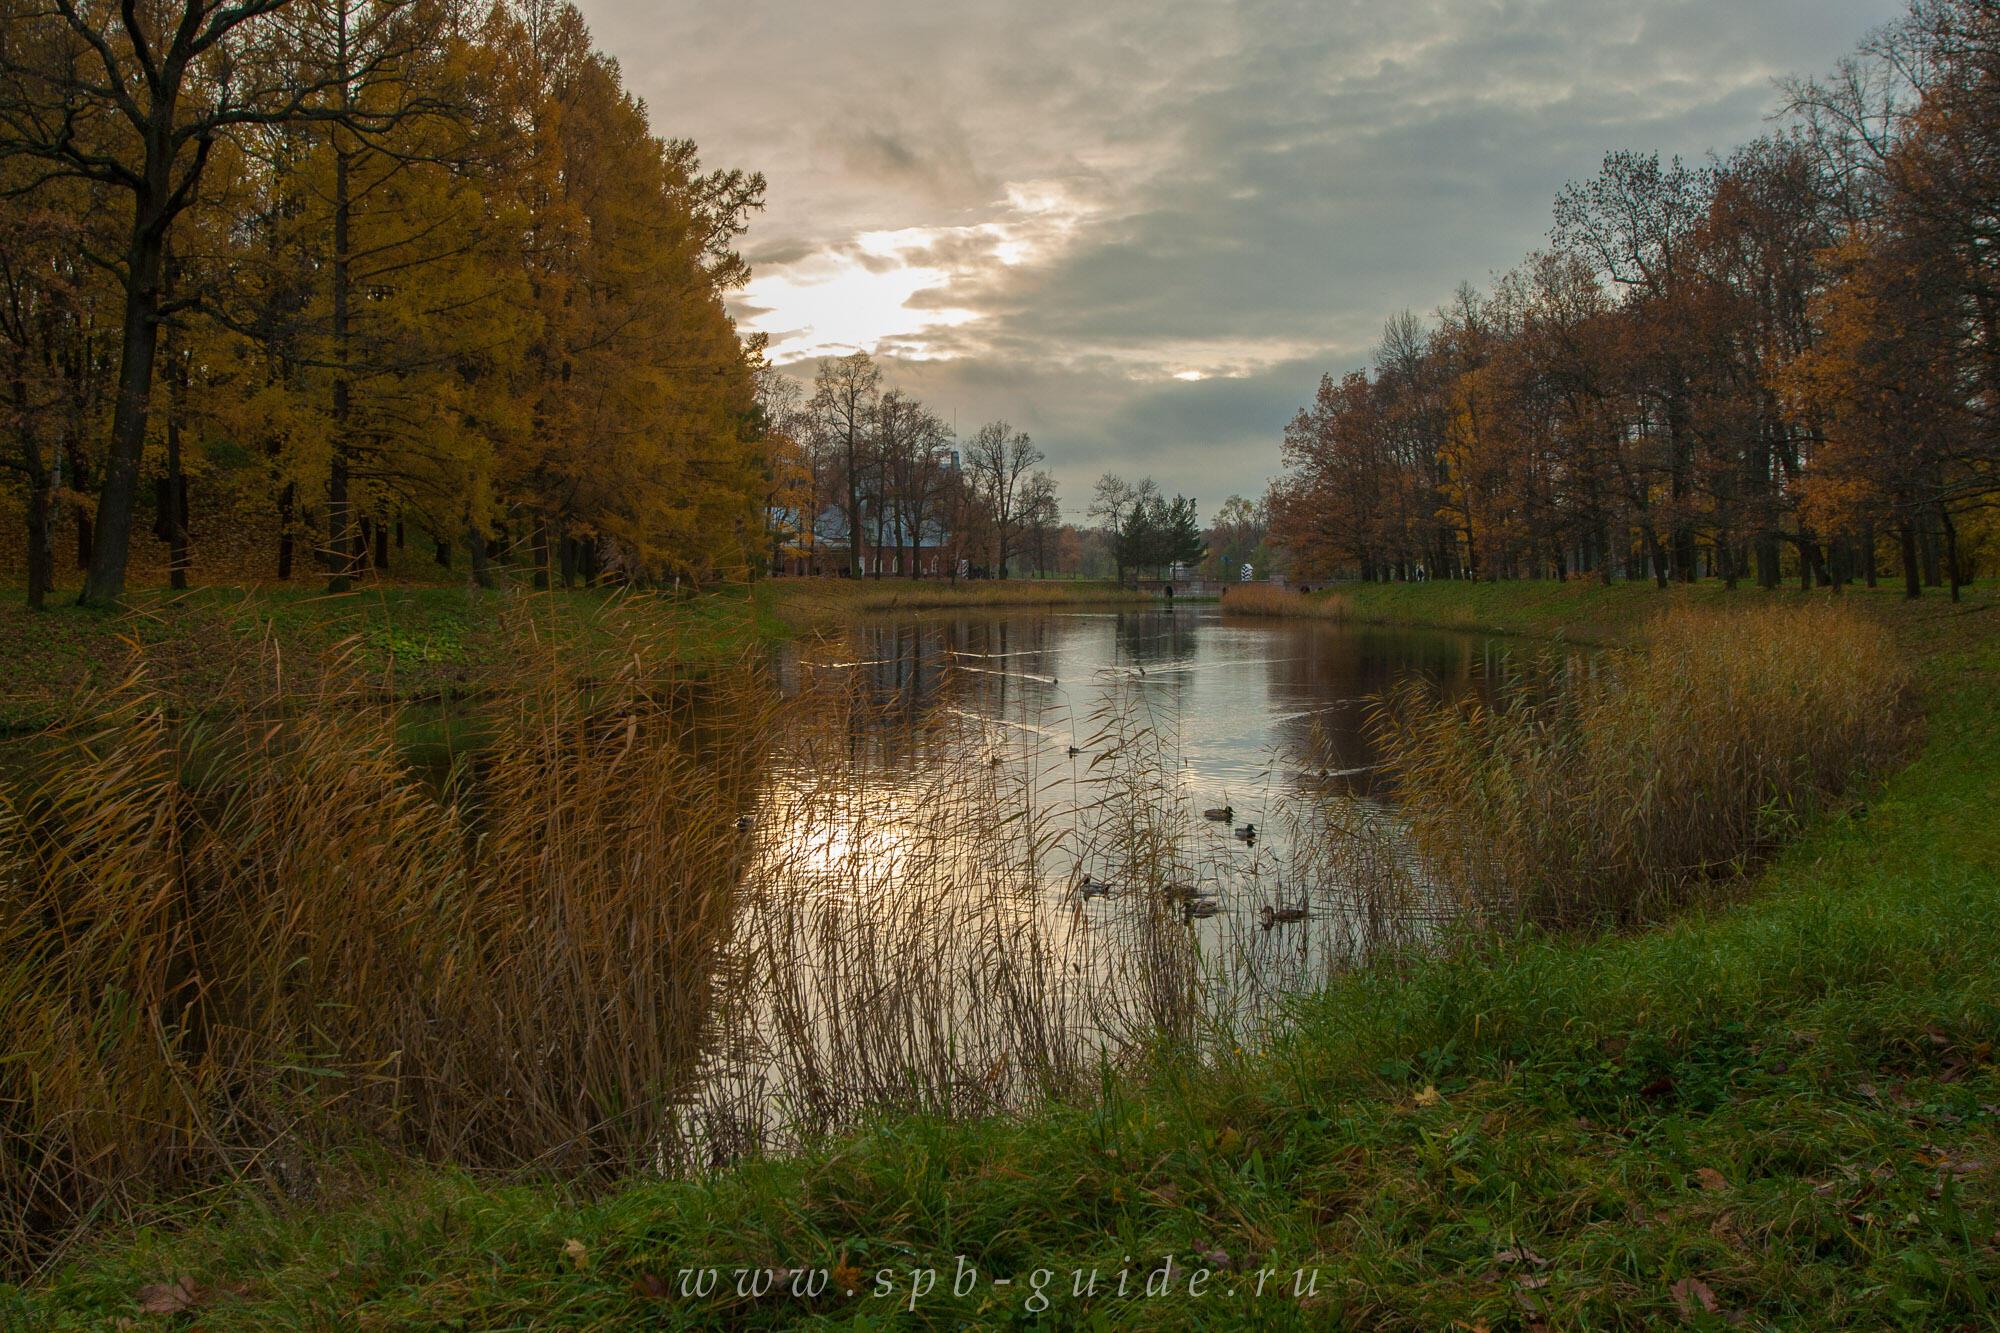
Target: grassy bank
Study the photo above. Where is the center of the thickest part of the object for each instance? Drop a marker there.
(1785, 1113)
(426, 641)
(413, 641)
(1582, 611)
(815, 603)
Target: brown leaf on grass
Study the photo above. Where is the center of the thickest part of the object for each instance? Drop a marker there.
(1691, 1293)
(1710, 1179)
(1658, 1088)
(577, 1253)
(1520, 1254)
(846, 1277)
(651, 1286)
(1429, 1097)
(169, 1297)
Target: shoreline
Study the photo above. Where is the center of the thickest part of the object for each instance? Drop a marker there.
(1608, 1103)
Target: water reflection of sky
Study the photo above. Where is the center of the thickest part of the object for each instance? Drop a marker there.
(912, 897)
(1248, 703)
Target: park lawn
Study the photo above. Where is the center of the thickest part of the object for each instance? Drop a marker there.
(430, 641)
(1784, 1112)
(417, 641)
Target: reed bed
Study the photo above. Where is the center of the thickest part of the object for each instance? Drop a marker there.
(815, 600)
(1268, 599)
(1607, 791)
(663, 916)
(668, 915)
(232, 940)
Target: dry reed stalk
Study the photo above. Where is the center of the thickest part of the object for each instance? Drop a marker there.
(1611, 790)
(1267, 599)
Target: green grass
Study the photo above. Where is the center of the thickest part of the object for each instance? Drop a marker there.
(1788, 1110)
(421, 641)
(427, 641)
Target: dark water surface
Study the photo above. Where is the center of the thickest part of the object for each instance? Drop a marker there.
(1252, 705)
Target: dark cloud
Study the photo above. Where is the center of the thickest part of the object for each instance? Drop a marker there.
(1247, 190)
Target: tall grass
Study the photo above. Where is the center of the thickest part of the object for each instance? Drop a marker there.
(1268, 599)
(1618, 788)
(663, 916)
(230, 940)
(818, 599)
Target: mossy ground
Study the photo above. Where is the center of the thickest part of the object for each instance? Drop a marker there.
(1780, 1113)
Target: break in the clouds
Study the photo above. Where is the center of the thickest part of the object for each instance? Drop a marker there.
(1141, 229)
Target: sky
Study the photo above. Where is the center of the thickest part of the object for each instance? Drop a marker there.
(1140, 230)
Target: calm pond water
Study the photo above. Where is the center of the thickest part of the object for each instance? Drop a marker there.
(1254, 703)
(982, 860)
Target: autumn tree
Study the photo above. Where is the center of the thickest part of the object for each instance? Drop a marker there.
(999, 458)
(846, 392)
(134, 99)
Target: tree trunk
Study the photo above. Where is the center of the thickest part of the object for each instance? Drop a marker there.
(1950, 549)
(1657, 555)
(1906, 533)
(41, 553)
(41, 487)
(475, 542)
(110, 546)
(339, 512)
(173, 514)
(287, 499)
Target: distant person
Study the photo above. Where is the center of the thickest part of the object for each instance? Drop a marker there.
(1170, 596)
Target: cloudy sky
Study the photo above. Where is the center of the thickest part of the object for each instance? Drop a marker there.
(1141, 229)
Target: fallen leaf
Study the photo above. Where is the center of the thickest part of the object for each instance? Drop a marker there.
(1217, 1258)
(652, 1286)
(169, 1297)
(1430, 1096)
(1657, 1089)
(578, 1254)
(1520, 1254)
(1710, 1179)
(1690, 1292)
(846, 1277)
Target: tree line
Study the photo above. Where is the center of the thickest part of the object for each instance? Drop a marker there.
(910, 496)
(1785, 362)
(1144, 529)
(347, 266)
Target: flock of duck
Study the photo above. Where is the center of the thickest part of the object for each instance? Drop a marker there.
(1197, 903)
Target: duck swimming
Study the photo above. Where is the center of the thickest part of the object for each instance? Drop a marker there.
(1221, 814)
(1248, 833)
(1200, 907)
(1272, 916)
(1093, 888)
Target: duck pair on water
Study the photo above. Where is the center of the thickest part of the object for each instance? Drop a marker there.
(1272, 916)
(1226, 814)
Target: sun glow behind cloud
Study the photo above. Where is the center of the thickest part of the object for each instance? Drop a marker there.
(894, 289)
